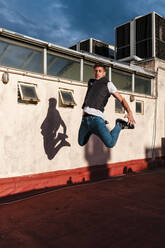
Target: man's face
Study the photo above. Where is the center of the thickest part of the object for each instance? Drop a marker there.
(99, 72)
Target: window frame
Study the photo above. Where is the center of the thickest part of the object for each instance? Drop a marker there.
(90, 64)
(142, 107)
(25, 99)
(62, 102)
(67, 57)
(28, 46)
(147, 78)
(21, 43)
(124, 72)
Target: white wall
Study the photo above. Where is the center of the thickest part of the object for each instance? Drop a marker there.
(21, 144)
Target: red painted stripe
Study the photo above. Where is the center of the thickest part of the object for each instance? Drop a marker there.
(15, 185)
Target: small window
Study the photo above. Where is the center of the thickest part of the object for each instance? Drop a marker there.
(24, 57)
(66, 98)
(122, 80)
(63, 66)
(139, 107)
(142, 85)
(118, 107)
(27, 93)
(87, 71)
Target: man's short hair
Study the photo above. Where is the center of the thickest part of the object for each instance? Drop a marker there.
(99, 65)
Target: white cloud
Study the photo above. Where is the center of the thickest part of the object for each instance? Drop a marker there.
(147, 6)
(12, 15)
(55, 26)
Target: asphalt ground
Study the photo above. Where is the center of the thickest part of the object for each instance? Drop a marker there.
(126, 211)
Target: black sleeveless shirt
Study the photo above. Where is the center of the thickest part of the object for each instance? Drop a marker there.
(97, 94)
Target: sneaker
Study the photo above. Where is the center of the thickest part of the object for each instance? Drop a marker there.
(124, 124)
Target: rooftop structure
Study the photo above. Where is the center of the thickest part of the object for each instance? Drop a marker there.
(96, 47)
(141, 38)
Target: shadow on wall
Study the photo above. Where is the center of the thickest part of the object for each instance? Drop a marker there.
(52, 139)
(96, 153)
(156, 157)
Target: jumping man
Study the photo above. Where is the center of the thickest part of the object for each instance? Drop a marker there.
(99, 90)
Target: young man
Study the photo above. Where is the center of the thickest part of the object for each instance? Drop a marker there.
(99, 90)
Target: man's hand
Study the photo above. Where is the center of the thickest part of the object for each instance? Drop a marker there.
(131, 120)
(124, 103)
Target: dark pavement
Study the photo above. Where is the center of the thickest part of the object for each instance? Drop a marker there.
(127, 211)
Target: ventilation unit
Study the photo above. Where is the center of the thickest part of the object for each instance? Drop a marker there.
(141, 38)
(96, 47)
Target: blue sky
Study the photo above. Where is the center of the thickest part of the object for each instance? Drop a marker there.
(65, 22)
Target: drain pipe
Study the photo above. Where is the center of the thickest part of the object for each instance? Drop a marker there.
(155, 119)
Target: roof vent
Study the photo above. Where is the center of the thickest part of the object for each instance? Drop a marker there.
(142, 37)
(95, 47)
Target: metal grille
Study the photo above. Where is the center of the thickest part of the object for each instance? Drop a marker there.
(144, 36)
(144, 49)
(144, 28)
(85, 46)
(123, 41)
(100, 48)
(160, 36)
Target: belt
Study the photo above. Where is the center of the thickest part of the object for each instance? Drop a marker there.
(87, 115)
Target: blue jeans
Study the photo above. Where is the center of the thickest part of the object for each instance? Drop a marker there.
(96, 125)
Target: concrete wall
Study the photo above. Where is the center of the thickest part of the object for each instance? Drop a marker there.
(160, 115)
(158, 66)
(28, 131)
